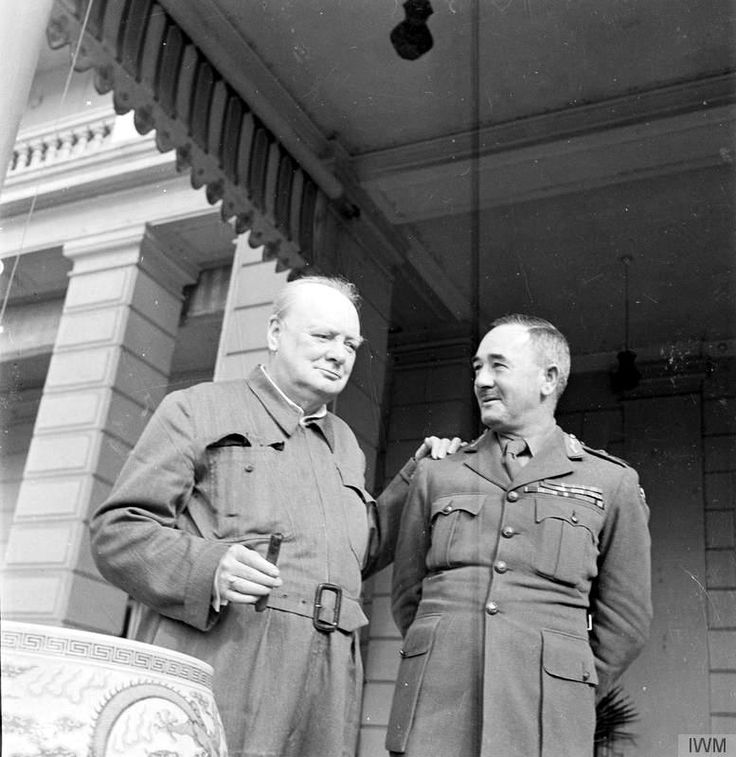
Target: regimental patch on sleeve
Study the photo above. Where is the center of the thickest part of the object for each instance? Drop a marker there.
(590, 494)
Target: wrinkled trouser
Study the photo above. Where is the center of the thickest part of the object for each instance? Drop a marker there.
(283, 689)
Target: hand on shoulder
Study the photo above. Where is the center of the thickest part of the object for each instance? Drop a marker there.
(438, 448)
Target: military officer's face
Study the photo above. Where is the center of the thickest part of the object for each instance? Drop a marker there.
(313, 346)
(509, 381)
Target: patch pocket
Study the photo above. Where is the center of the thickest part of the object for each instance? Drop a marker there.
(414, 658)
(569, 657)
(567, 539)
(242, 489)
(568, 692)
(452, 518)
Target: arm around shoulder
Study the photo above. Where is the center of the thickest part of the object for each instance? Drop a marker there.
(413, 540)
(385, 517)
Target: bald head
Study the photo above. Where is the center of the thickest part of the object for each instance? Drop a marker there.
(290, 291)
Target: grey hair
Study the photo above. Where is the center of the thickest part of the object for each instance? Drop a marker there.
(285, 298)
(548, 341)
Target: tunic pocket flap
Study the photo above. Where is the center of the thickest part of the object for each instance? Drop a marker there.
(420, 636)
(570, 510)
(568, 657)
(469, 503)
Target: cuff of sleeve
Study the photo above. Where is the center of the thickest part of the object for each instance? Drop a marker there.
(199, 604)
(217, 601)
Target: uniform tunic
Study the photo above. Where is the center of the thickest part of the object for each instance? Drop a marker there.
(493, 583)
(229, 463)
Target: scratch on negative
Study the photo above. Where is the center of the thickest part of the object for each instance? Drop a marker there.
(704, 590)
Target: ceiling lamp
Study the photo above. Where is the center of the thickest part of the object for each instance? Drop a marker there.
(626, 376)
(412, 38)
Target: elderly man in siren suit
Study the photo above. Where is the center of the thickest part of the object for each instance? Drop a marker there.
(219, 470)
(505, 552)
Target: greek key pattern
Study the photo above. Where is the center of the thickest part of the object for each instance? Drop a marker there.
(110, 653)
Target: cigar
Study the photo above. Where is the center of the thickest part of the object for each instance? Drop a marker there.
(274, 545)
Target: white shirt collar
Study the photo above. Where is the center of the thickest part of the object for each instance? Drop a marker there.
(303, 419)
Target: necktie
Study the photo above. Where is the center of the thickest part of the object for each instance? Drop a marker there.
(511, 452)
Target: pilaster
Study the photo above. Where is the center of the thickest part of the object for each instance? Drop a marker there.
(253, 286)
(108, 371)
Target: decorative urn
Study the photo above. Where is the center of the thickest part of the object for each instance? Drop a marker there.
(71, 693)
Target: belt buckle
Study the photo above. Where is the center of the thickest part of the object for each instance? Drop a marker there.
(328, 626)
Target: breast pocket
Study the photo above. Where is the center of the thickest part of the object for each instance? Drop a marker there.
(243, 491)
(567, 539)
(454, 528)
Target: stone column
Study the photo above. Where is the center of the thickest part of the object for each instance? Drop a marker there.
(253, 286)
(108, 371)
(21, 36)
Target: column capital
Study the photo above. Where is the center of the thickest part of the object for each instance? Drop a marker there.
(159, 260)
(109, 249)
(136, 245)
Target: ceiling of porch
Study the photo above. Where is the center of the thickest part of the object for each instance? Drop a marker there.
(337, 63)
(595, 131)
(604, 129)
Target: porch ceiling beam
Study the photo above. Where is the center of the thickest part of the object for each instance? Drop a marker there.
(227, 50)
(243, 137)
(534, 171)
(138, 51)
(691, 97)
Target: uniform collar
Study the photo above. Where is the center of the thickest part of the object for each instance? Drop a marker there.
(550, 460)
(487, 462)
(535, 442)
(552, 454)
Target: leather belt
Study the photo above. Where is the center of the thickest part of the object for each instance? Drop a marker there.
(328, 626)
(328, 607)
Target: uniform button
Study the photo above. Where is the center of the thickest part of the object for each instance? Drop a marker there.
(491, 608)
(248, 468)
(586, 675)
(501, 566)
(573, 517)
(507, 532)
(512, 496)
(447, 509)
(402, 653)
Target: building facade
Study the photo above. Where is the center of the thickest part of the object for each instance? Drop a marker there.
(148, 219)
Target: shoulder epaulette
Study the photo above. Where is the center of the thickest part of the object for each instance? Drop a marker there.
(472, 446)
(606, 456)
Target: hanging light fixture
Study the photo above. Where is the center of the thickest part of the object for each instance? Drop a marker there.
(412, 38)
(626, 376)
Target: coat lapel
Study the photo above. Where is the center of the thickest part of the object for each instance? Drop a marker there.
(553, 459)
(284, 419)
(484, 458)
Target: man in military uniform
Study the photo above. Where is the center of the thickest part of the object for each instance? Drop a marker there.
(505, 552)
